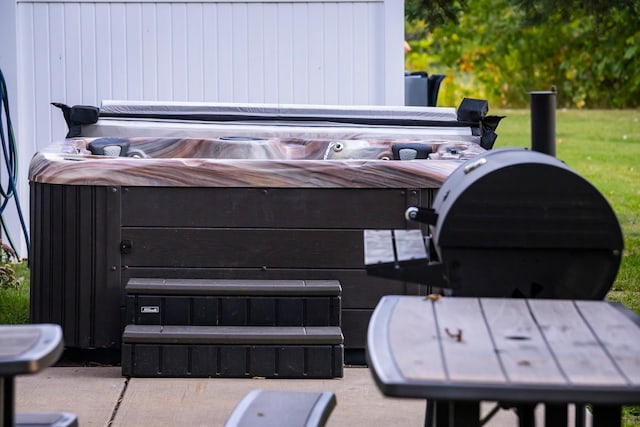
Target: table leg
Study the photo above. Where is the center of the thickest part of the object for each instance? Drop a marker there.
(526, 415)
(606, 415)
(555, 415)
(441, 413)
(581, 415)
(454, 413)
(429, 415)
(465, 414)
(6, 401)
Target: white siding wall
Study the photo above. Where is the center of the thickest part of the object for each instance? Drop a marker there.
(313, 52)
(297, 51)
(8, 64)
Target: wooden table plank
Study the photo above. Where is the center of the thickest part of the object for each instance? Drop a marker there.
(468, 351)
(618, 333)
(519, 343)
(378, 247)
(575, 347)
(414, 340)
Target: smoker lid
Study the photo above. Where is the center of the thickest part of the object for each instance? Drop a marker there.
(516, 198)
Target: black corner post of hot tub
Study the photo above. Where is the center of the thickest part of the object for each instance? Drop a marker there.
(543, 121)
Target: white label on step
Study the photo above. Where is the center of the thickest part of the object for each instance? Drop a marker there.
(149, 309)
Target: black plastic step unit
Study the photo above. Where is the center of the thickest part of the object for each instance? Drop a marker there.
(232, 351)
(223, 302)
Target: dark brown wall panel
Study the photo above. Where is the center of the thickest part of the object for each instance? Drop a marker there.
(78, 271)
(334, 208)
(354, 327)
(243, 248)
(75, 262)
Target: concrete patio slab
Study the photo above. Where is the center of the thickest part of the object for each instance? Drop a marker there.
(210, 401)
(100, 396)
(90, 393)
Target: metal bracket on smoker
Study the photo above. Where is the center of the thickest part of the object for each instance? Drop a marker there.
(423, 215)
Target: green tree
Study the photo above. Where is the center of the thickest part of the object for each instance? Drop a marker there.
(502, 49)
(537, 11)
(433, 13)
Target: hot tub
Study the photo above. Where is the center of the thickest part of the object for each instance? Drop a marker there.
(205, 198)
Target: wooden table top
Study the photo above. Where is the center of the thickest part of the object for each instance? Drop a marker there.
(26, 349)
(516, 350)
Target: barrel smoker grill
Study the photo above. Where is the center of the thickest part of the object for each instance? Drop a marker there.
(512, 223)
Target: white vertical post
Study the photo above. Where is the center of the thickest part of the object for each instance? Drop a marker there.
(394, 52)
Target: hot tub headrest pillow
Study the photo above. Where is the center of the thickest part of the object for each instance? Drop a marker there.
(77, 116)
(114, 147)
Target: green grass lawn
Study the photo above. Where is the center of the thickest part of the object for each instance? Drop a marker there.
(14, 294)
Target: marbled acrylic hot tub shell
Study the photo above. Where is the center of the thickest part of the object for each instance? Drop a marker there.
(238, 162)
